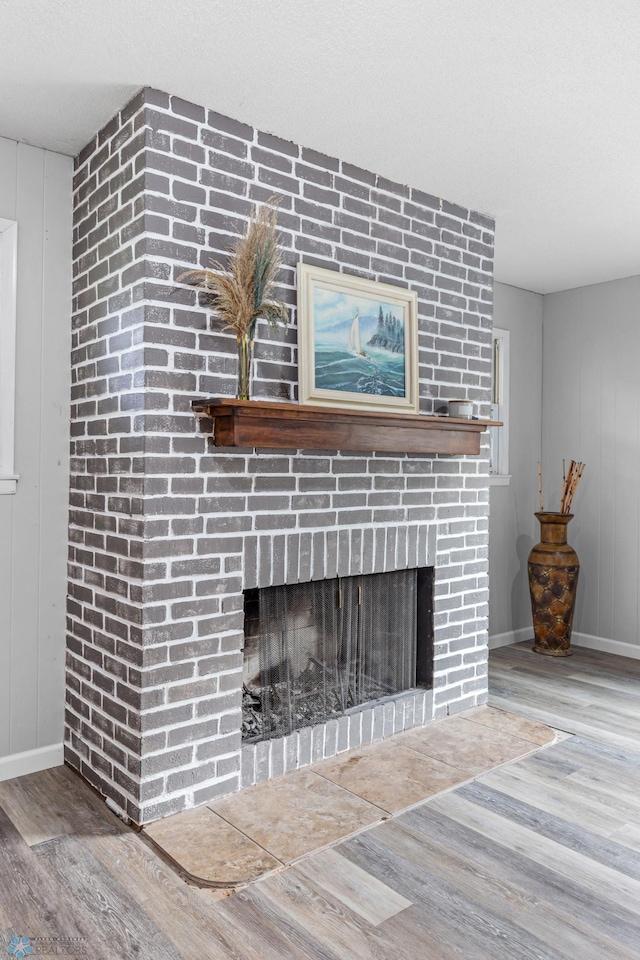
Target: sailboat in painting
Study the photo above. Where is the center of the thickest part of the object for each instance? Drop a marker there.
(354, 337)
(357, 352)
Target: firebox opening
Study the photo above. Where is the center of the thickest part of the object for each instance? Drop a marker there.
(315, 651)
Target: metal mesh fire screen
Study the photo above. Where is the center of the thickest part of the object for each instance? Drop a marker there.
(317, 650)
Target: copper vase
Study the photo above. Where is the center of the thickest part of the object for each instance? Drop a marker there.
(553, 580)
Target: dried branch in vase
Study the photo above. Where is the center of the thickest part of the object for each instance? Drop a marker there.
(540, 487)
(245, 291)
(571, 479)
(571, 482)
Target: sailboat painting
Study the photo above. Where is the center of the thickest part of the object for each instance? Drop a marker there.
(359, 344)
(362, 342)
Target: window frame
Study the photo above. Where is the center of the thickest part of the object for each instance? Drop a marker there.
(8, 299)
(500, 343)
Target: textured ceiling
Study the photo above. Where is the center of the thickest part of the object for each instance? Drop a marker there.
(524, 110)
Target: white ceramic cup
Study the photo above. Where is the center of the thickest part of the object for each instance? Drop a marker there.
(461, 408)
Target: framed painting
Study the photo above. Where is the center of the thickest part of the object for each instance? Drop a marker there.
(357, 342)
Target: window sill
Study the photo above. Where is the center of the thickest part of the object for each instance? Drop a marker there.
(8, 484)
(499, 479)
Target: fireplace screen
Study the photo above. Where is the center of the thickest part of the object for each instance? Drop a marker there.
(314, 651)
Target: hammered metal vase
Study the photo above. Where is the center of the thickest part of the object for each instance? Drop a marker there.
(553, 580)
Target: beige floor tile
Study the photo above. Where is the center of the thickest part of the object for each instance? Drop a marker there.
(563, 734)
(209, 848)
(511, 723)
(296, 814)
(390, 775)
(466, 745)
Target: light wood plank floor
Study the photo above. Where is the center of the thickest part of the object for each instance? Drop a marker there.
(592, 694)
(536, 859)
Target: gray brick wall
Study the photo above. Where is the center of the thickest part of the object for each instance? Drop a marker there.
(166, 530)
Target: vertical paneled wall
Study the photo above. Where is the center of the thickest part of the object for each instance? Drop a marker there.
(35, 190)
(591, 411)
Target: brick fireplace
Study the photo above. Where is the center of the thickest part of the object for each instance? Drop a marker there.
(168, 531)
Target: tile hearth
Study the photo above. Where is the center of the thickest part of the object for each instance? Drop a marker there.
(263, 829)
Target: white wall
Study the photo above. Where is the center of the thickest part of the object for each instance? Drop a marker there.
(513, 528)
(591, 411)
(35, 190)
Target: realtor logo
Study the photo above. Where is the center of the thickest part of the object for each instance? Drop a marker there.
(20, 947)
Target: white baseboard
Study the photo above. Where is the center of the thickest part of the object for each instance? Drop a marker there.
(606, 646)
(577, 639)
(511, 636)
(31, 761)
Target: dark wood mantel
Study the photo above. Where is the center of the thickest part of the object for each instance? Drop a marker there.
(263, 423)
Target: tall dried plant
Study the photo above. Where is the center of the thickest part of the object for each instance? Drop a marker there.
(245, 290)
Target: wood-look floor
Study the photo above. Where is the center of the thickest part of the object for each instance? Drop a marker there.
(590, 693)
(536, 860)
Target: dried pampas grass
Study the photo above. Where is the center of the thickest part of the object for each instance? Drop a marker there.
(244, 291)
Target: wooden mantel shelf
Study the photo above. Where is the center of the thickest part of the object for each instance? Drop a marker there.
(263, 423)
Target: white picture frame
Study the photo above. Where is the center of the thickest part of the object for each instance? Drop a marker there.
(357, 342)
